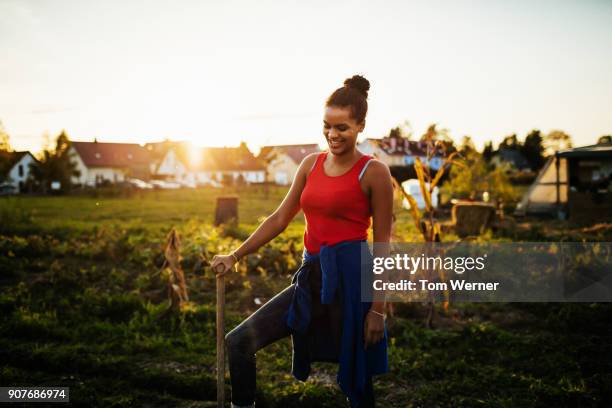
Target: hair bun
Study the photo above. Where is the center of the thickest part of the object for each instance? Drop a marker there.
(359, 83)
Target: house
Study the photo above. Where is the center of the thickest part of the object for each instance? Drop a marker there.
(513, 157)
(399, 152)
(282, 161)
(575, 184)
(222, 163)
(99, 162)
(182, 161)
(171, 160)
(15, 169)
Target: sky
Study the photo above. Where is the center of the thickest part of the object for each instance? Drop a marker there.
(219, 72)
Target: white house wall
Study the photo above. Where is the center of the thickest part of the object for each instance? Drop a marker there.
(80, 166)
(20, 172)
(254, 176)
(172, 167)
(99, 174)
(282, 170)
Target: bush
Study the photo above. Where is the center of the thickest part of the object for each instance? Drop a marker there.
(475, 177)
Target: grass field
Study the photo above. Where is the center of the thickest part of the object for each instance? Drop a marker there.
(83, 301)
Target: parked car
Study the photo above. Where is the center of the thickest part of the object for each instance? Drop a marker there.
(143, 185)
(7, 189)
(164, 185)
(210, 183)
(187, 184)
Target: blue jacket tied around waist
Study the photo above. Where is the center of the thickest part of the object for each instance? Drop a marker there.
(340, 276)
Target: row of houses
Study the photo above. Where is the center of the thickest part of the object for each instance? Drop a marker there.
(100, 162)
(399, 152)
(180, 161)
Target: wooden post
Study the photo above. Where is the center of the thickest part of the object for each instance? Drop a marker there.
(220, 341)
(557, 184)
(227, 209)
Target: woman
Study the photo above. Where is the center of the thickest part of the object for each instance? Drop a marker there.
(338, 190)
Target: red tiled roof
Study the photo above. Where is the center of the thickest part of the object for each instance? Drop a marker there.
(295, 152)
(97, 154)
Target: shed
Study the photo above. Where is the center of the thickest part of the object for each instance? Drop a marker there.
(575, 184)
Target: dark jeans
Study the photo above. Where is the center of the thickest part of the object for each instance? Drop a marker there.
(267, 325)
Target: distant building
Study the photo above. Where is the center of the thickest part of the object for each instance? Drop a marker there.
(399, 152)
(112, 162)
(15, 169)
(234, 162)
(182, 161)
(170, 160)
(512, 157)
(574, 183)
(283, 160)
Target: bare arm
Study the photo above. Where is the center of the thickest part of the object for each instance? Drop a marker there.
(378, 180)
(273, 225)
(381, 204)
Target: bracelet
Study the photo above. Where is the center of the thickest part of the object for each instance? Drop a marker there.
(380, 314)
(233, 255)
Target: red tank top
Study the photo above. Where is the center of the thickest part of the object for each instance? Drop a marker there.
(335, 208)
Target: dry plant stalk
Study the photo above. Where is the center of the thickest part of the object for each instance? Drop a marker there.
(426, 224)
(177, 287)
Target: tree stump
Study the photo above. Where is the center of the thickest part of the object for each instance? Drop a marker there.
(471, 218)
(227, 210)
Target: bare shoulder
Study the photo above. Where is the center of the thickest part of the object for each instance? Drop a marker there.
(308, 162)
(377, 169)
(376, 177)
(310, 159)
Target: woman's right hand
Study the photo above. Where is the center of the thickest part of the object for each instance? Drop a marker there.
(222, 264)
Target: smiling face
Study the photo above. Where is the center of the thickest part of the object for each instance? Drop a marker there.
(340, 129)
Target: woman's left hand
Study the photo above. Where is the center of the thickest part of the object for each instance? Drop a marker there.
(374, 329)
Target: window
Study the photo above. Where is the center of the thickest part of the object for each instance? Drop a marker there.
(20, 170)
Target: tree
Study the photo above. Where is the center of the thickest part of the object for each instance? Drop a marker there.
(434, 134)
(487, 152)
(533, 150)
(402, 131)
(55, 165)
(438, 138)
(5, 156)
(474, 178)
(605, 139)
(5, 145)
(510, 142)
(467, 146)
(556, 140)
(5, 164)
